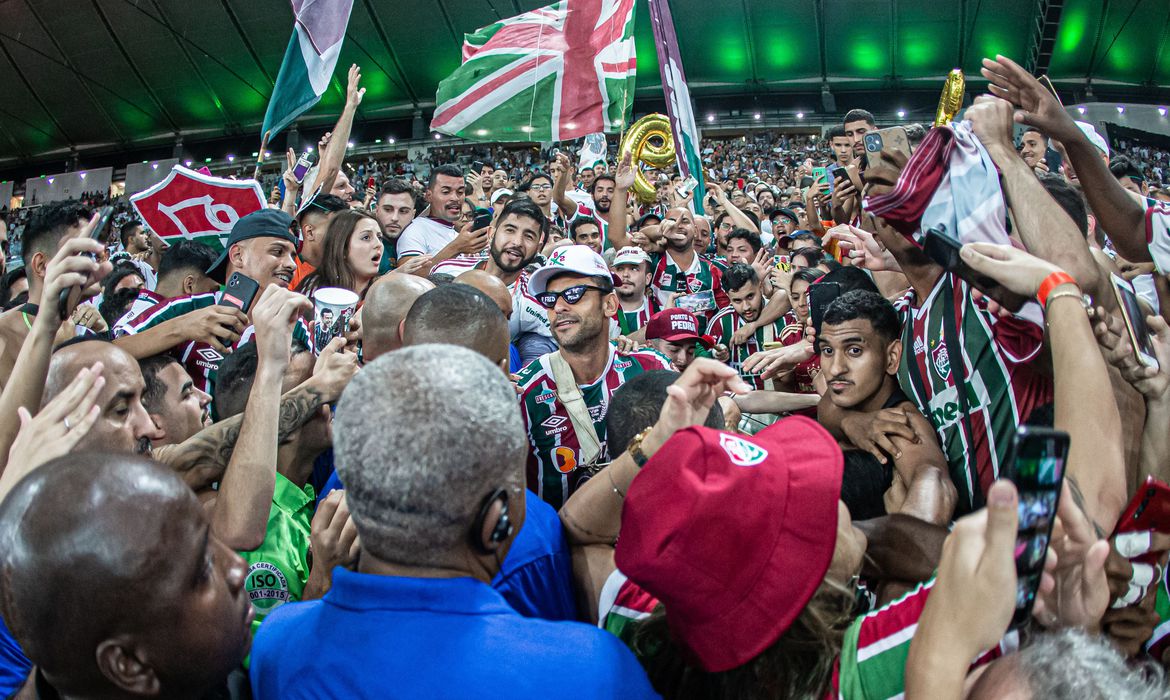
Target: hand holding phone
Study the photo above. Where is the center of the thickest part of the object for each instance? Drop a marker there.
(1134, 317)
(944, 250)
(92, 231)
(820, 295)
(240, 292)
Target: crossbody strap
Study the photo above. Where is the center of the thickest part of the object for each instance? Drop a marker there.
(569, 394)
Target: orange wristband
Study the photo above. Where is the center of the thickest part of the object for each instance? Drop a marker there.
(1052, 282)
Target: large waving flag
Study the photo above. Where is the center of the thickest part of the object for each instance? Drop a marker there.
(678, 98)
(308, 62)
(555, 73)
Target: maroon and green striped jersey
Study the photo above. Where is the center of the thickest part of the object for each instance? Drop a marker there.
(554, 458)
(1002, 385)
(630, 321)
(666, 278)
(199, 358)
(584, 211)
(724, 325)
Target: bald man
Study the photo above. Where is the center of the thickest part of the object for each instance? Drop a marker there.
(387, 303)
(458, 314)
(495, 288)
(114, 584)
(123, 425)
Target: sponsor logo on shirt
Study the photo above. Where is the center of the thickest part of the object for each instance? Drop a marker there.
(267, 587)
(623, 364)
(547, 397)
(209, 354)
(597, 412)
(741, 452)
(919, 346)
(666, 279)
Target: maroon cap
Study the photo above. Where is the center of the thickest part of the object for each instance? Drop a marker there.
(674, 325)
(733, 533)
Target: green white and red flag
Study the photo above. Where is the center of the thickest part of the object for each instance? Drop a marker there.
(552, 74)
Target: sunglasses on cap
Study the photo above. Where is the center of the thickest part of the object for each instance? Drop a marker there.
(572, 295)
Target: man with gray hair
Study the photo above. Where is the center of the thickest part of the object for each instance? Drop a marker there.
(437, 508)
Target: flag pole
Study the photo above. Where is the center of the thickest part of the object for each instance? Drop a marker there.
(260, 155)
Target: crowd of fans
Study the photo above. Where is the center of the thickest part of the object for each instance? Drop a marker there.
(755, 439)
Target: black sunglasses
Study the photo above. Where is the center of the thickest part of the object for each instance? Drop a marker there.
(572, 295)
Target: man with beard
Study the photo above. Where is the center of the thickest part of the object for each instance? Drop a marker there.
(742, 285)
(518, 235)
(176, 407)
(200, 330)
(435, 234)
(601, 189)
(394, 213)
(631, 266)
(564, 395)
(679, 269)
(857, 123)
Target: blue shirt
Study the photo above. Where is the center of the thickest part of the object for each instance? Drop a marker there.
(395, 637)
(536, 577)
(14, 665)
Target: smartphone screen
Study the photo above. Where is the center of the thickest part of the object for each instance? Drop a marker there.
(1135, 321)
(1037, 469)
(302, 167)
(698, 302)
(687, 185)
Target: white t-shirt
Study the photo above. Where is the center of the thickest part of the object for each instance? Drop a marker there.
(424, 236)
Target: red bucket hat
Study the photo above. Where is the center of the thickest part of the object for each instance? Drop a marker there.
(733, 533)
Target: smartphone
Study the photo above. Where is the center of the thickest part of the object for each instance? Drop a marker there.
(483, 218)
(240, 292)
(1149, 509)
(477, 166)
(820, 295)
(687, 186)
(302, 167)
(1053, 160)
(1037, 470)
(782, 262)
(370, 183)
(95, 234)
(806, 182)
(698, 302)
(1135, 321)
(944, 250)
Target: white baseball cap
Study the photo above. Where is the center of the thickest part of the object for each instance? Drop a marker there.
(502, 192)
(630, 255)
(1094, 138)
(575, 259)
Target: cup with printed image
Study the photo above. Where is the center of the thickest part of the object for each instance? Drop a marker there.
(332, 309)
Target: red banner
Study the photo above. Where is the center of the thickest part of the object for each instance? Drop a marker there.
(192, 205)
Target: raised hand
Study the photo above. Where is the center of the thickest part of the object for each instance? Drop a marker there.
(1036, 106)
(354, 94)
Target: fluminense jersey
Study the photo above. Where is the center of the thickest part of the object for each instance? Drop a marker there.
(198, 357)
(666, 278)
(554, 457)
(724, 325)
(630, 321)
(142, 302)
(1002, 388)
(602, 220)
(528, 316)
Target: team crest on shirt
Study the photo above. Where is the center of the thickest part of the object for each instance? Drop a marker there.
(941, 360)
(694, 284)
(267, 587)
(741, 452)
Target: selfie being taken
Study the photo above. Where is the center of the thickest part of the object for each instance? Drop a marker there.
(600, 349)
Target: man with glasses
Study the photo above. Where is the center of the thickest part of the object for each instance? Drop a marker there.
(199, 329)
(564, 395)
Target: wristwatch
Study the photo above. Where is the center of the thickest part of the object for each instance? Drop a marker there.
(635, 448)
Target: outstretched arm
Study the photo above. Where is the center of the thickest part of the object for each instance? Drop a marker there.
(334, 155)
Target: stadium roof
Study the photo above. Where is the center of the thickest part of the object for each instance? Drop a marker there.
(106, 74)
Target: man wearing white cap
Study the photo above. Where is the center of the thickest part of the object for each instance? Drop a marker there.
(631, 266)
(564, 395)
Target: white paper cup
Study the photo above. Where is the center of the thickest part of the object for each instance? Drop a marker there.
(332, 309)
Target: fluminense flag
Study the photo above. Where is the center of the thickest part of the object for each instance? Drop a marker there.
(308, 62)
(678, 98)
(555, 73)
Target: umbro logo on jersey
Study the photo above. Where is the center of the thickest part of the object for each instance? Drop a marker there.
(554, 421)
(209, 354)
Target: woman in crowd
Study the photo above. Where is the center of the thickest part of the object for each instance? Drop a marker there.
(352, 253)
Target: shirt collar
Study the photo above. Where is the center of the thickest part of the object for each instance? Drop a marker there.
(290, 497)
(464, 595)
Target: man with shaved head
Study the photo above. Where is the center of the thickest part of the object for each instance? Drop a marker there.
(495, 288)
(115, 585)
(123, 425)
(681, 270)
(387, 303)
(458, 314)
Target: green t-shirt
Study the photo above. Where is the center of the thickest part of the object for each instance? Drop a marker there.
(279, 568)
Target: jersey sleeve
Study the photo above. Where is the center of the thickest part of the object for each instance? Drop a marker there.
(411, 242)
(1158, 235)
(721, 299)
(160, 313)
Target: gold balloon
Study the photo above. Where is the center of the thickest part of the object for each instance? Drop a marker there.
(951, 100)
(649, 141)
